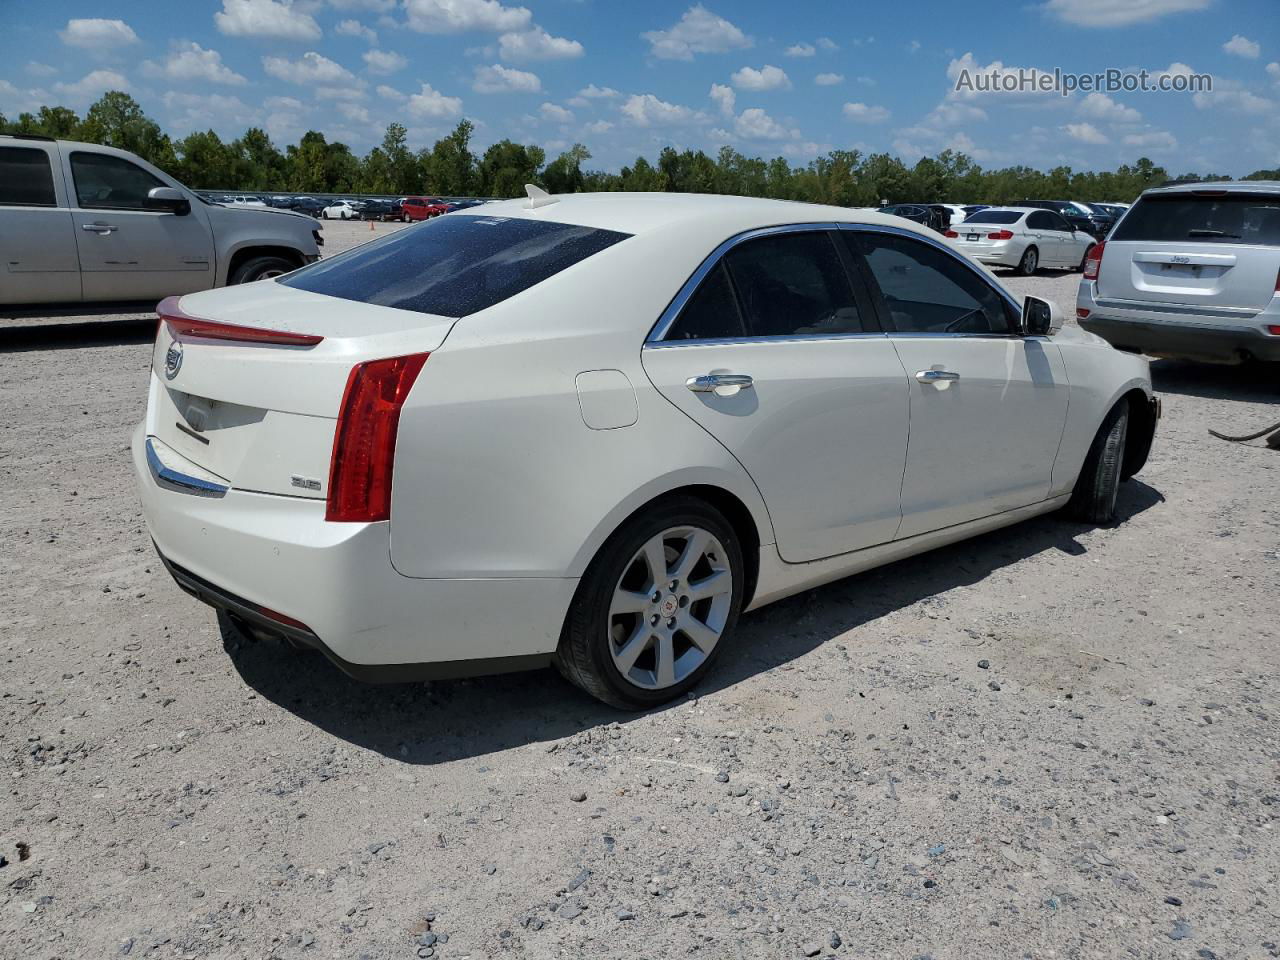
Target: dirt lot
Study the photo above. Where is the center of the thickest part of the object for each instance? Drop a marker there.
(1052, 741)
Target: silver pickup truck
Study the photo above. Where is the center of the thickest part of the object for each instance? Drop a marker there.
(81, 222)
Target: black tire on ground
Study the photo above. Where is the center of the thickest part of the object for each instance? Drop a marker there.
(1088, 250)
(1094, 498)
(584, 656)
(260, 268)
(1029, 262)
(324, 214)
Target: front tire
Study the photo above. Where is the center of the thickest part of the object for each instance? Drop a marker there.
(260, 268)
(1030, 262)
(655, 607)
(1094, 498)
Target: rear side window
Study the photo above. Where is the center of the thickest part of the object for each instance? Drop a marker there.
(26, 179)
(1229, 218)
(994, 216)
(712, 311)
(454, 266)
(1040, 220)
(793, 284)
(110, 183)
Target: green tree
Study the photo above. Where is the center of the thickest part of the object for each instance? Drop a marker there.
(564, 173)
(266, 166)
(450, 166)
(507, 166)
(116, 120)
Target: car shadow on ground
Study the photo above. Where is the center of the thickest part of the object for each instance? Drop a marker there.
(127, 328)
(1247, 382)
(451, 720)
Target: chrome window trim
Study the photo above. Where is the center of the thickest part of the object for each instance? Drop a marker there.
(173, 478)
(743, 341)
(660, 329)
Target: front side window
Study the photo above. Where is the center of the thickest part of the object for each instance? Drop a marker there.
(26, 179)
(927, 290)
(453, 266)
(110, 183)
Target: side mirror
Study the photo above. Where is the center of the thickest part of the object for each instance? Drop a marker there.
(1040, 318)
(168, 198)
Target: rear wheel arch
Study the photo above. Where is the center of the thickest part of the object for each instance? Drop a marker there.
(247, 253)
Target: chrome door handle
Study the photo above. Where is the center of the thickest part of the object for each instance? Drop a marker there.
(936, 376)
(710, 382)
(99, 228)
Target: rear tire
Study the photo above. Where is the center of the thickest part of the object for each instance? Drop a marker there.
(632, 651)
(1030, 262)
(1094, 498)
(260, 268)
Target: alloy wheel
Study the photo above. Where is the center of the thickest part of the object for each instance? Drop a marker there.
(670, 607)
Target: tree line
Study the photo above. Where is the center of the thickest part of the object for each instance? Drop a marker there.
(850, 178)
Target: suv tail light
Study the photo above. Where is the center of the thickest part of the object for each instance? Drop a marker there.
(1000, 235)
(1093, 263)
(951, 233)
(364, 443)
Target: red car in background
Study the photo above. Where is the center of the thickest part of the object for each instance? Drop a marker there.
(422, 208)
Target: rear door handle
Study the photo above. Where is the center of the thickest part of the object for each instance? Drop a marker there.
(710, 382)
(936, 376)
(99, 228)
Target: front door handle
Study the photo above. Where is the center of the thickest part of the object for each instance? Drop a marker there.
(936, 376)
(99, 228)
(710, 382)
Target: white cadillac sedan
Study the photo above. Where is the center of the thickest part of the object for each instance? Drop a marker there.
(1024, 238)
(594, 429)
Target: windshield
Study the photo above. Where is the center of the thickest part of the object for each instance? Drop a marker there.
(453, 266)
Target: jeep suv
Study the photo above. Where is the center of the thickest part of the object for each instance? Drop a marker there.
(81, 222)
(1190, 271)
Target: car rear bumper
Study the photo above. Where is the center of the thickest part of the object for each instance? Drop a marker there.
(275, 563)
(1173, 331)
(1001, 254)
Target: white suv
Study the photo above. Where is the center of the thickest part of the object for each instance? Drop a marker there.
(1193, 271)
(83, 222)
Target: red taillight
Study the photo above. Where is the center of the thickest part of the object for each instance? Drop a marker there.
(1081, 312)
(951, 233)
(1274, 330)
(1093, 263)
(364, 444)
(183, 325)
(1000, 235)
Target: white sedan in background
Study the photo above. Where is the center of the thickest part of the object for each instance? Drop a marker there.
(340, 210)
(592, 430)
(1024, 238)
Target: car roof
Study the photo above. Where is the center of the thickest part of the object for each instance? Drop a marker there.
(1012, 209)
(1229, 186)
(638, 213)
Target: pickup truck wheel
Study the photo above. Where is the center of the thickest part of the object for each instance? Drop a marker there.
(260, 268)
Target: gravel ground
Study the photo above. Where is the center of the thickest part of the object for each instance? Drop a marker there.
(1051, 741)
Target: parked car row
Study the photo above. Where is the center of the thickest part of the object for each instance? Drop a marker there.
(1094, 219)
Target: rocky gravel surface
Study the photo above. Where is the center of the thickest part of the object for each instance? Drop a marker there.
(1051, 741)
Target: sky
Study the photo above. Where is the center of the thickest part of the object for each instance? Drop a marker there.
(628, 78)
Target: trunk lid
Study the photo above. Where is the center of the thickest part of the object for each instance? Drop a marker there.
(261, 416)
(1214, 249)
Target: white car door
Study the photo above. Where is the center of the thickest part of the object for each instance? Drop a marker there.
(127, 251)
(1039, 229)
(37, 240)
(776, 353)
(988, 406)
(1070, 251)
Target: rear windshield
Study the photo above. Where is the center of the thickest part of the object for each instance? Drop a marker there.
(994, 216)
(453, 265)
(1233, 218)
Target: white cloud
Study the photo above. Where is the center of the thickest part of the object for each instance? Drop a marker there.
(1273, 71)
(1159, 139)
(646, 110)
(373, 6)
(755, 124)
(277, 19)
(461, 16)
(1098, 106)
(537, 44)
(192, 62)
(828, 79)
(1242, 47)
(724, 97)
(190, 111)
(389, 93)
(976, 80)
(699, 31)
(500, 79)
(766, 78)
(283, 103)
(801, 50)
(354, 28)
(311, 69)
(1110, 13)
(555, 112)
(384, 61)
(429, 102)
(38, 69)
(592, 92)
(354, 91)
(863, 113)
(1233, 98)
(827, 44)
(97, 34)
(354, 112)
(913, 46)
(600, 126)
(91, 86)
(1085, 133)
